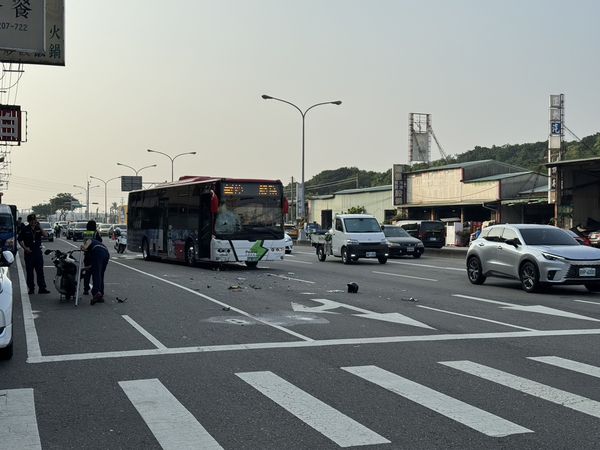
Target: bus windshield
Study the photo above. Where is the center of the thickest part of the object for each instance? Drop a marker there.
(249, 218)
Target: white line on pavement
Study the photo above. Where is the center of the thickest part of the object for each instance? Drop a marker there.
(210, 299)
(322, 343)
(297, 261)
(403, 276)
(334, 425)
(285, 277)
(585, 301)
(31, 337)
(539, 390)
(429, 266)
(486, 300)
(18, 423)
(471, 416)
(476, 318)
(568, 364)
(171, 423)
(143, 332)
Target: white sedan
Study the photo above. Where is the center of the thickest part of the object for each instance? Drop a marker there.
(6, 307)
(289, 243)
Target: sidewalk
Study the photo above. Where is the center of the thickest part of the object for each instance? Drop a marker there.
(444, 252)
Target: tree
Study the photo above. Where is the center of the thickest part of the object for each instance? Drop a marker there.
(62, 202)
(357, 210)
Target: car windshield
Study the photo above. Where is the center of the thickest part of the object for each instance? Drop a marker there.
(546, 236)
(81, 225)
(362, 225)
(395, 232)
(432, 226)
(45, 225)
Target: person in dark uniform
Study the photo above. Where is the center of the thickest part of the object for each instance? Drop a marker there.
(90, 232)
(30, 238)
(98, 257)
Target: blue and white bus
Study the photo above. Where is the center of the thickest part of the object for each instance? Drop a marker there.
(208, 219)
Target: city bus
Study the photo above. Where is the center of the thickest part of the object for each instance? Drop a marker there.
(208, 219)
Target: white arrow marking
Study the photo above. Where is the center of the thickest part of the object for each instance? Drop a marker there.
(550, 311)
(533, 308)
(328, 305)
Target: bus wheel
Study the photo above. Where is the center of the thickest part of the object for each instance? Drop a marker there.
(145, 250)
(251, 264)
(190, 254)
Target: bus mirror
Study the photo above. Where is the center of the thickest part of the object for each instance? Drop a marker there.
(214, 204)
(286, 205)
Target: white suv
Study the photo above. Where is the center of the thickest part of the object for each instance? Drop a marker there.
(6, 306)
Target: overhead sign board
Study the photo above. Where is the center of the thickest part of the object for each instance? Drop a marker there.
(10, 123)
(131, 183)
(22, 25)
(54, 33)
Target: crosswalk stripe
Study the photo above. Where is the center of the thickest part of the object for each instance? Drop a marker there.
(471, 416)
(568, 364)
(171, 423)
(334, 425)
(18, 424)
(539, 390)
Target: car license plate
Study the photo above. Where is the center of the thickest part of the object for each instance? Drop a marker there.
(433, 239)
(410, 249)
(371, 254)
(587, 272)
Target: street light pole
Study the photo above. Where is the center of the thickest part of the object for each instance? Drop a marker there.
(138, 170)
(172, 158)
(105, 186)
(300, 206)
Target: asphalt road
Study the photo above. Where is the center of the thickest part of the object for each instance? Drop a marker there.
(284, 357)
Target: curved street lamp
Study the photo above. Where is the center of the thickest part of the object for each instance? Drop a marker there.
(172, 158)
(300, 207)
(105, 185)
(138, 170)
(87, 196)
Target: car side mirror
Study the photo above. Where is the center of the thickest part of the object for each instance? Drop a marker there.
(7, 258)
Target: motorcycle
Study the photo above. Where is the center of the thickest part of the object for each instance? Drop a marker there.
(67, 271)
(120, 240)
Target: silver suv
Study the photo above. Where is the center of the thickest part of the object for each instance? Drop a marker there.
(537, 255)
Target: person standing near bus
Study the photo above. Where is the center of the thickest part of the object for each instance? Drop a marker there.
(30, 238)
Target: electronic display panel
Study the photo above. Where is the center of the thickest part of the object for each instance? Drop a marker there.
(251, 189)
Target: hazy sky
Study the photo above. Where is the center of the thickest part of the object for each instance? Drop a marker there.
(187, 75)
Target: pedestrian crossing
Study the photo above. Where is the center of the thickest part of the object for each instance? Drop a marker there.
(174, 426)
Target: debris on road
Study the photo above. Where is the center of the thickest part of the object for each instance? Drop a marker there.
(121, 300)
(352, 288)
(409, 299)
(235, 287)
(226, 308)
(334, 291)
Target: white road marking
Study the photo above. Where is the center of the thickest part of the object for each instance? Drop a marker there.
(427, 266)
(314, 344)
(210, 299)
(568, 364)
(539, 390)
(297, 261)
(170, 422)
(477, 318)
(585, 301)
(327, 305)
(471, 416)
(31, 337)
(285, 277)
(334, 425)
(143, 332)
(18, 423)
(403, 276)
(539, 309)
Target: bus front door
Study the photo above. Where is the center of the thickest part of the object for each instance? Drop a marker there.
(163, 228)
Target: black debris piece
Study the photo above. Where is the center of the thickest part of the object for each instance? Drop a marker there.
(352, 288)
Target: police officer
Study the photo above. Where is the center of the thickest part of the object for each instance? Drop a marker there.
(30, 238)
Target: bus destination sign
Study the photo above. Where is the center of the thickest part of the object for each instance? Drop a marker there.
(260, 190)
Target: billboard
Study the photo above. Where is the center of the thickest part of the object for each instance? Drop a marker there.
(22, 25)
(131, 183)
(399, 183)
(10, 123)
(53, 53)
(419, 139)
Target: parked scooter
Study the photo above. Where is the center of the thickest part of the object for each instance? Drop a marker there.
(120, 240)
(67, 271)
